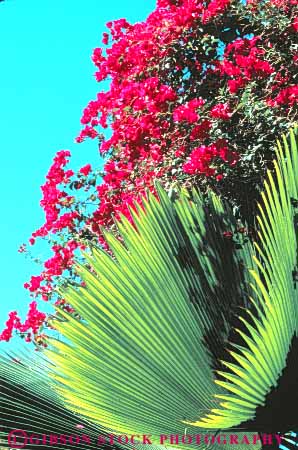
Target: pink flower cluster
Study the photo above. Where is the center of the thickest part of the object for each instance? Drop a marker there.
(32, 324)
(221, 111)
(188, 111)
(54, 199)
(286, 97)
(61, 260)
(244, 62)
(201, 158)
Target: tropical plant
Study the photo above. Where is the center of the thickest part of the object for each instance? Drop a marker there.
(189, 326)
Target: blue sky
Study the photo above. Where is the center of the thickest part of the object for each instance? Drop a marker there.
(46, 79)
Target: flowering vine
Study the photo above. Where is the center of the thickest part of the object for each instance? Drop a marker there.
(198, 93)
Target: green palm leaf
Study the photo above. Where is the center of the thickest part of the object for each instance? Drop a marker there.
(141, 352)
(140, 360)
